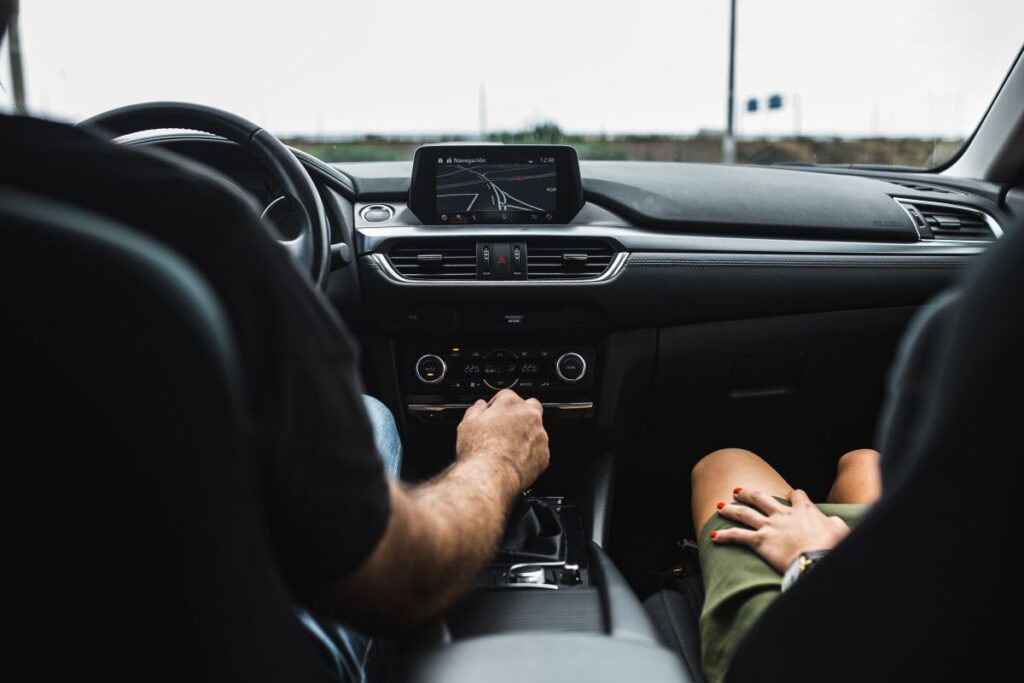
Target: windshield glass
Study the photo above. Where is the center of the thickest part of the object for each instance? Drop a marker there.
(893, 82)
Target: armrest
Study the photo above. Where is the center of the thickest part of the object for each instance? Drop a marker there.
(625, 618)
(546, 658)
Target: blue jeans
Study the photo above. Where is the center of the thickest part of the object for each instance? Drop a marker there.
(347, 650)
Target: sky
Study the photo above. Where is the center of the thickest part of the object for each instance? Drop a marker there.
(330, 67)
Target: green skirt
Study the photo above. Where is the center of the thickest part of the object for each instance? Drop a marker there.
(738, 587)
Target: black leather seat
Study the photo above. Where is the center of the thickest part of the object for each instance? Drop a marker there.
(919, 591)
(136, 548)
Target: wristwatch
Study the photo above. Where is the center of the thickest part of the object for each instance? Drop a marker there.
(801, 565)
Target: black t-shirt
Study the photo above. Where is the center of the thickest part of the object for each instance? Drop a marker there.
(323, 483)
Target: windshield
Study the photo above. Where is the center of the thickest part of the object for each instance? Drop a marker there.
(893, 82)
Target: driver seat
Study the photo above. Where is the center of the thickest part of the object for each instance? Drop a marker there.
(136, 543)
(920, 588)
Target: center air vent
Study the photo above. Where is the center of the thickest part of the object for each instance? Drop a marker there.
(567, 259)
(941, 221)
(550, 259)
(435, 260)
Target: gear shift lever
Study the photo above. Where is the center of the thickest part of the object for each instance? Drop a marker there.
(534, 533)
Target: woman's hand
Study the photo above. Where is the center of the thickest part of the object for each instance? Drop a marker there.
(779, 533)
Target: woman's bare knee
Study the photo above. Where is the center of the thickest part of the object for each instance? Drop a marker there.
(862, 457)
(717, 474)
(722, 459)
(858, 479)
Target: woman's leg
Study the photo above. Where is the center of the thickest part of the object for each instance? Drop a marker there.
(738, 585)
(717, 474)
(858, 479)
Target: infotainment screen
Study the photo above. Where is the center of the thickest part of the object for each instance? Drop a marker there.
(495, 184)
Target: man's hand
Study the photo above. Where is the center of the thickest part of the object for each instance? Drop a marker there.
(442, 532)
(508, 430)
(779, 533)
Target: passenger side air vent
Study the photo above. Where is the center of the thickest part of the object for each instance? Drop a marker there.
(567, 259)
(921, 187)
(435, 260)
(941, 221)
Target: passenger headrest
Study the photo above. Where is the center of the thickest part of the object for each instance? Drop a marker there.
(915, 591)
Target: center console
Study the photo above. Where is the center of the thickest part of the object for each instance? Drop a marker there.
(499, 303)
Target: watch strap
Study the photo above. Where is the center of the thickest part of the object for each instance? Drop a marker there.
(800, 566)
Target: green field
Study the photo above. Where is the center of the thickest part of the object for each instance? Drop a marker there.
(917, 152)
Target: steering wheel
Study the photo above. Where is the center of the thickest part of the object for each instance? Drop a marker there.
(312, 247)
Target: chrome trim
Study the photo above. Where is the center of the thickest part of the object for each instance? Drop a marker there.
(491, 386)
(416, 369)
(993, 225)
(641, 239)
(524, 586)
(271, 205)
(377, 207)
(613, 270)
(440, 407)
(527, 584)
(551, 563)
(558, 370)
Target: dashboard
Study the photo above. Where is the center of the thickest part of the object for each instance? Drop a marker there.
(662, 310)
(484, 267)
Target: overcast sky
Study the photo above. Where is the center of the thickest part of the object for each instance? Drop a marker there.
(861, 67)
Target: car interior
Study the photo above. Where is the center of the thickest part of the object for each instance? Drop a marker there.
(659, 311)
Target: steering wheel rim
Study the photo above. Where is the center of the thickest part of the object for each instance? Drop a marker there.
(312, 248)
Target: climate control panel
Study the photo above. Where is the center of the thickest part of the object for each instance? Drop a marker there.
(481, 370)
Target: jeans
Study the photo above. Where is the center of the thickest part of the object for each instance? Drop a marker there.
(352, 654)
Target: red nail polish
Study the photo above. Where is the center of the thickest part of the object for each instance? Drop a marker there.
(714, 534)
(720, 506)
(736, 490)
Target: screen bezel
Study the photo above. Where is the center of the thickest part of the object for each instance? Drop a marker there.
(423, 186)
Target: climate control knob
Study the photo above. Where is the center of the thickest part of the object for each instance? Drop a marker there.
(570, 367)
(430, 369)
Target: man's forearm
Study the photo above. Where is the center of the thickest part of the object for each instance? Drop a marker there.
(462, 514)
(439, 536)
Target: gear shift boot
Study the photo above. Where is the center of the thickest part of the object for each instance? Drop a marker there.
(534, 533)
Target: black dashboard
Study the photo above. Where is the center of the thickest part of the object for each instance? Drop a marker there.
(453, 305)
(676, 308)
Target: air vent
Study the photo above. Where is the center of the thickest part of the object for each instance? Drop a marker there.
(921, 187)
(435, 260)
(567, 259)
(940, 221)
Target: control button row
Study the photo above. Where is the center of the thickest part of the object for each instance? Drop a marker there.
(521, 353)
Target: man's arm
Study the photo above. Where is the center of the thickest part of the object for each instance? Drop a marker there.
(441, 533)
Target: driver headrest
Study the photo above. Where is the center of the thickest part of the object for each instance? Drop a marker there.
(135, 544)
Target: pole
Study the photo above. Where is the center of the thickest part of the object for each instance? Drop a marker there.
(728, 141)
(797, 119)
(17, 72)
(482, 111)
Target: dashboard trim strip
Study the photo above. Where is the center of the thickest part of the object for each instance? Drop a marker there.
(640, 239)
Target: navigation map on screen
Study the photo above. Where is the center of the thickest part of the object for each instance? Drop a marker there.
(467, 187)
